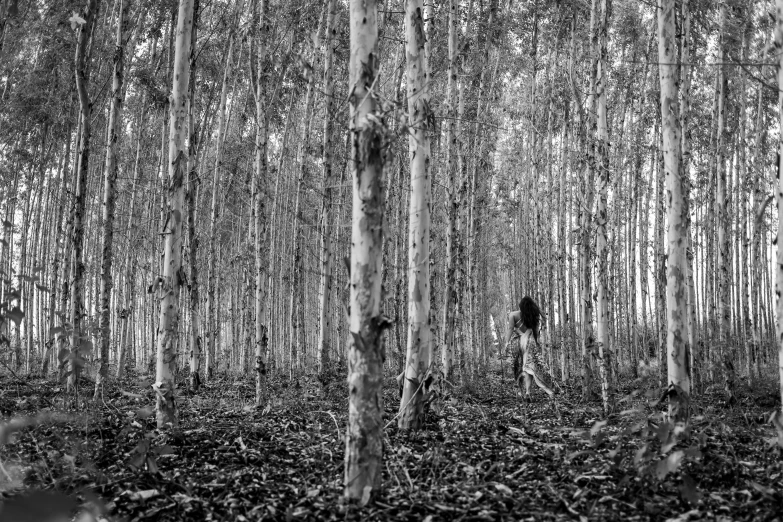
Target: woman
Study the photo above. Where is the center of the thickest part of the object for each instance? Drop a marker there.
(524, 324)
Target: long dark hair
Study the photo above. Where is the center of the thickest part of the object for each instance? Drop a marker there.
(530, 314)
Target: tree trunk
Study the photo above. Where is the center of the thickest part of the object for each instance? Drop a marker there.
(79, 341)
(779, 196)
(419, 347)
(172, 277)
(685, 109)
(724, 260)
(211, 323)
(191, 183)
(109, 192)
(677, 346)
(262, 130)
(449, 297)
(364, 439)
(328, 160)
(296, 306)
(601, 219)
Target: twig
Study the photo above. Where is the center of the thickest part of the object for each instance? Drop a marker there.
(405, 406)
(2, 468)
(336, 425)
(13, 373)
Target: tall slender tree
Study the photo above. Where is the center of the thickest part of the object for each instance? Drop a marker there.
(79, 341)
(327, 158)
(417, 359)
(172, 278)
(109, 192)
(677, 342)
(779, 197)
(601, 218)
(261, 78)
(449, 297)
(363, 442)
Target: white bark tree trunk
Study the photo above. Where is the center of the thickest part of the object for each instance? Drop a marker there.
(172, 277)
(602, 247)
(417, 360)
(109, 182)
(364, 440)
(210, 314)
(262, 129)
(449, 299)
(779, 195)
(328, 160)
(677, 343)
(80, 342)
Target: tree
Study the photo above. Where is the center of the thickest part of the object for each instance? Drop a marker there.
(191, 189)
(327, 157)
(722, 210)
(779, 193)
(677, 342)
(172, 278)
(363, 443)
(602, 247)
(109, 193)
(449, 293)
(417, 359)
(262, 130)
(79, 341)
(211, 323)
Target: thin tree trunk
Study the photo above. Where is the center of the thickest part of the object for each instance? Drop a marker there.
(172, 277)
(191, 183)
(415, 386)
(211, 323)
(449, 297)
(262, 130)
(109, 192)
(326, 219)
(685, 109)
(364, 438)
(77, 238)
(779, 197)
(601, 219)
(677, 346)
(724, 261)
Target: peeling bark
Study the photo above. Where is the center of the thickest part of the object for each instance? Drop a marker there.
(364, 443)
(172, 278)
(677, 342)
(417, 359)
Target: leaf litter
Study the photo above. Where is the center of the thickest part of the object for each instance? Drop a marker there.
(483, 455)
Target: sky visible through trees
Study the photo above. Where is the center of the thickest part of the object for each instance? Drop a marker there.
(223, 218)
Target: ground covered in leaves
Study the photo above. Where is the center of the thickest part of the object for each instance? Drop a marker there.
(484, 455)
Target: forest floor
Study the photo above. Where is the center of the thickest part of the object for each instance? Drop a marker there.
(483, 455)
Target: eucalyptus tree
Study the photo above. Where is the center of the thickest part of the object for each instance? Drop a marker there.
(259, 79)
(677, 340)
(79, 341)
(417, 359)
(779, 196)
(172, 277)
(109, 191)
(602, 165)
(364, 442)
(449, 298)
(327, 160)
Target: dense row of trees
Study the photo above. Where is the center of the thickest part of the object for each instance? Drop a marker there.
(175, 189)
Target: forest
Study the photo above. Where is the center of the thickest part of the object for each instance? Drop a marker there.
(391, 260)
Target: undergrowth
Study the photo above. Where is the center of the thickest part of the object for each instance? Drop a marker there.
(483, 455)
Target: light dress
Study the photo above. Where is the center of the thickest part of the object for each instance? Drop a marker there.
(527, 359)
